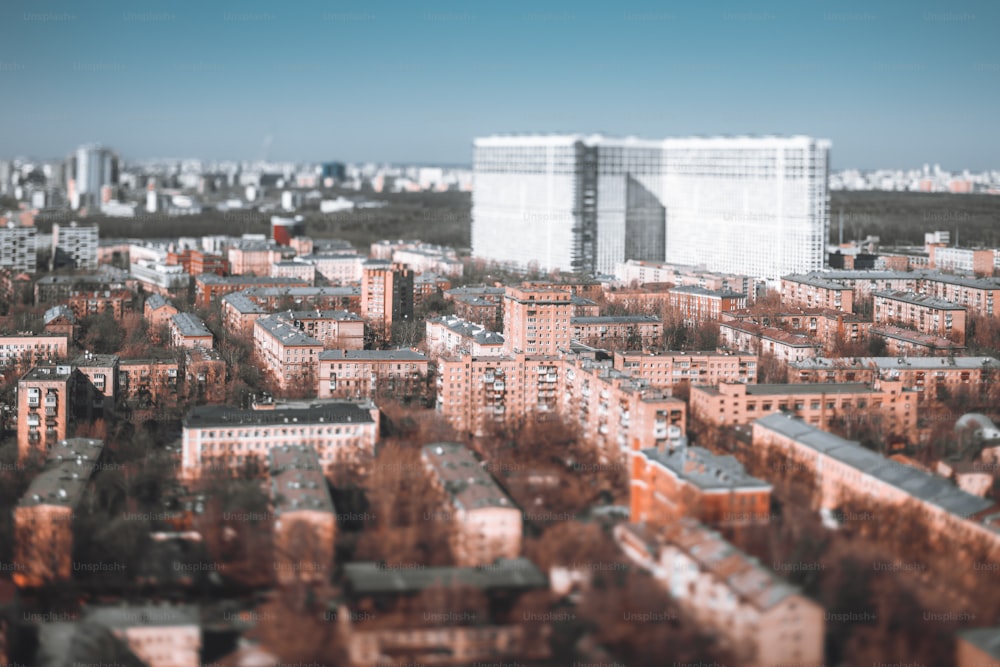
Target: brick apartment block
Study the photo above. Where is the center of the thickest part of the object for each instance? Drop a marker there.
(668, 368)
(925, 314)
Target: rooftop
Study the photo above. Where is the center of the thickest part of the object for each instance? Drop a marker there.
(297, 481)
(48, 373)
(916, 337)
(704, 291)
(504, 575)
(320, 315)
(156, 301)
(702, 468)
(462, 476)
(468, 329)
(923, 486)
(906, 362)
(65, 474)
(189, 324)
(205, 416)
(286, 332)
(55, 312)
(91, 360)
(815, 280)
(919, 300)
(771, 333)
(243, 303)
(616, 319)
(986, 640)
(147, 615)
(213, 279)
(402, 354)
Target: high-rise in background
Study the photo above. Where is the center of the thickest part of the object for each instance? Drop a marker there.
(91, 175)
(751, 205)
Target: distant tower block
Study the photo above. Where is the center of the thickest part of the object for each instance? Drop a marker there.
(283, 230)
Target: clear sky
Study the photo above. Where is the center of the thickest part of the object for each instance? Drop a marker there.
(892, 84)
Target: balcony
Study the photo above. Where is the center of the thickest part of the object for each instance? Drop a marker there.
(50, 412)
(498, 386)
(51, 401)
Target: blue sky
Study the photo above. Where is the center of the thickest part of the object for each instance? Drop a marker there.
(893, 84)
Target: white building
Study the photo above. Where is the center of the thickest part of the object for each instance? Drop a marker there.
(18, 251)
(75, 245)
(756, 206)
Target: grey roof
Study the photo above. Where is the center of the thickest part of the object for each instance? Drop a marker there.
(64, 476)
(56, 312)
(704, 469)
(402, 354)
(302, 291)
(922, 275)
(461, 474)
(297, 481)
(505, 574)
(919, 300)
(317, 413)
(918, 337)
(888, 363)
(806, 388)
(147, 615)
(986, 640)
(214, 279)
(49, 372)
(921, 485)
(469, 329)
(157, 301)
(96, 360)
(278, 327)
(616, 319)
(816, 280)
(704, 291)
(190, 324)
(475, 290)
(320, 315)
(243, 303)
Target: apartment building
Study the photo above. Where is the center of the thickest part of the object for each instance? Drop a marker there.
(299, 298)
(195, 262)
(829, 327)
(342, 434)
(485, 524)
(208, 286)
(150, 381)
(844, 471)
(239, 312)
(157, 311)
(96, 385)
(44, 395)
(765, 621)
(820, 405)
(482, 305)
(365, 373)
(285, 352)
(668, 483)
(663, 370)
(536, 319)
(160, 635)
(188, 331)
(661, 276)
(204, 375)
(255, 258)
(89, 302)
(906, 342)
(426, 285)
(43, 517)
(21, 352)
(497, 634)
(333, 328)
(453, 335)
(18, 251)
(305, 522)
(700, 304)
(814, 291)
(978, 262)
(74, 246)
(338, 268)
(386, 294)
(294, 268)
(629, 331)
(756, 339)
(926, 376)
(163, 279)
(60, 321)
(430, 259)
(926, 314)
(50, 289)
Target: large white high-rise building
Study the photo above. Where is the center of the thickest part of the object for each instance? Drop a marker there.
(89, 171)
(750, 205)
(75, 246)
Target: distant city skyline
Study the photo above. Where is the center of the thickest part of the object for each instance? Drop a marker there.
(891, 85)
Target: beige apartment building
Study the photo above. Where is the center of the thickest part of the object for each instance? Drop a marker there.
(23, 352)
(536, 319)
(815, 291)
(44, 396)
(700, 304)
(760, 340)
(485, 523)
(628, 331)
(284, 352)
(386, 294)
(665, 369)
(926, 314)
(365, 373)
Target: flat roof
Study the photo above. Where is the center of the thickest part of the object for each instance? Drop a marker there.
(807, 389)
(96, 360)
(505, 574)
(297, 481)
(704, 291)
(243, 303)
(899, 362)
(49, 372)
(468, 329)
(402, 354)
(617, 319)
(285, 331)
(146, 615)
(190, 324)
(919, 484)
(704, 469)
(339, 412)
(918, 300)
(462, 476)
(918, 337)
(213, 279)
(156, 301)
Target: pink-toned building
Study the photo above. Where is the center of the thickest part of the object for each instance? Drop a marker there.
(386, 295)
(815, 291)
(453, 335)
(485, 524)
(761, 619)
(668, 368)
(44, 397)
(23, 352)
(628, 331)
(760, 340)
(59, 321)
(906, 342)
(150, 381)
(699, 304)
(254, 258)
(925, 314)
(668, 483)
(116, 302)
(304, 271)
(157, 311)
(829, 327)
(820, 405)
(305, 524)
(536, 319)
(339, 268)
(188, 331)
(285, 353)
(364, 373)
